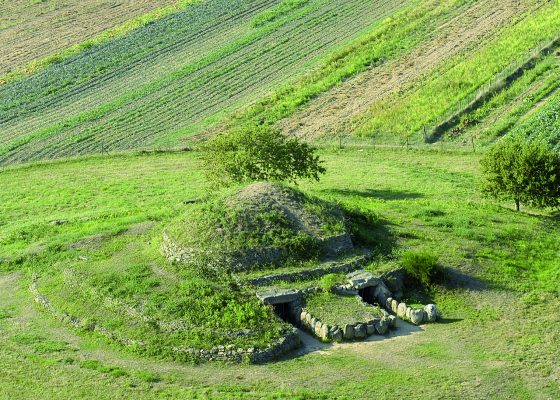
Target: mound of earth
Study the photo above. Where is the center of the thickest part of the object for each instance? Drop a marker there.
(257, 225)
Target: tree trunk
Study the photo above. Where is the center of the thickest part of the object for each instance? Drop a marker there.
(517, 204)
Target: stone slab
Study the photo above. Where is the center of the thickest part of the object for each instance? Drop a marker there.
(279, 296)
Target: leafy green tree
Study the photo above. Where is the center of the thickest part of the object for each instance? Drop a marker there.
(259, 154)
(524, 171)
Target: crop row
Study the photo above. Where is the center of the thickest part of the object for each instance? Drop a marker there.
(459, 79)
(544, 123)
(226, 76)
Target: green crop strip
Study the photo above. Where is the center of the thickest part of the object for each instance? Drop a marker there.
(393, 37)
(190, 91)
(144, 90)
(275, 13)
(109, 34)
(453, 81)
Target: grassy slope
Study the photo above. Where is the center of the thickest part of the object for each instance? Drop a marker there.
(501, 305)
(432, 97)
(438, 90)
(513, 105)
(172, 77)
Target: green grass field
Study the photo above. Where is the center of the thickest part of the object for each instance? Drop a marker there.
(498, 338)
(100, 155)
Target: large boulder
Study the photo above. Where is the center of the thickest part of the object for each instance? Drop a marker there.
(337, 335)
(362, 279)
(431, 313)
(348, 332)
(382, 326)
(401, 310)
(417, 317)
(360, 331)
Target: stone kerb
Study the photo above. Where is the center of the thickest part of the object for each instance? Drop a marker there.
(334, 333)
(416, 316)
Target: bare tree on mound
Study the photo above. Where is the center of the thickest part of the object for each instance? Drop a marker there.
(260, 153)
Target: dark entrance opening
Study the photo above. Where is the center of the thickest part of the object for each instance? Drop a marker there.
(283, 311)
(368, 295)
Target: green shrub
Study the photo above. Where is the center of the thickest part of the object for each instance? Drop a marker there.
(524, 171)
(421, 266)
(328, 282)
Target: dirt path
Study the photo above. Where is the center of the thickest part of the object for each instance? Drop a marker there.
(312, 345)
(466, 28)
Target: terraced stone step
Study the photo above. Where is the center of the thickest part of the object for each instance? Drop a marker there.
(346, 265)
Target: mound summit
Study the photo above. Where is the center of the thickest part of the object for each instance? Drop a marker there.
(259, 224)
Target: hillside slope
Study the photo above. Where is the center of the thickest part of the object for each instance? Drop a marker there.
(167, 78)
(30, 30)
(390, 72)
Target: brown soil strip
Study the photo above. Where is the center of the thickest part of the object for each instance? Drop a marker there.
(335, 110)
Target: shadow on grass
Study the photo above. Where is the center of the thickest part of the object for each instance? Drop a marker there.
(455, 279)
(375, 193)
(448, 320)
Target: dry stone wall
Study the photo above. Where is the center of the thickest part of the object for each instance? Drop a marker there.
(312, 273)
(228, 353)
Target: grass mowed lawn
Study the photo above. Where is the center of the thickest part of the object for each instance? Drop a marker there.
(498, 339)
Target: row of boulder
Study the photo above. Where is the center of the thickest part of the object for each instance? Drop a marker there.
(347, 332)
(417, 316)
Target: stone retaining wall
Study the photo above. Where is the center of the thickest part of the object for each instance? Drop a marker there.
(311, 273)
(415, 316)
(229, 353)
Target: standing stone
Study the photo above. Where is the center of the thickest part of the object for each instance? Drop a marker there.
(302, 317)
(324, 332)
(382, 326)
(431, 312)
(417, 317)
(401, 310)
(317, 328)
(392, 321)
(408, 311)
(360, 331)
(348, 332)
(337, 335)
(394, 305)
(389, 303)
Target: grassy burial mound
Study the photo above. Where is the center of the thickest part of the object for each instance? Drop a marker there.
(263, 224)
(124, 291)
